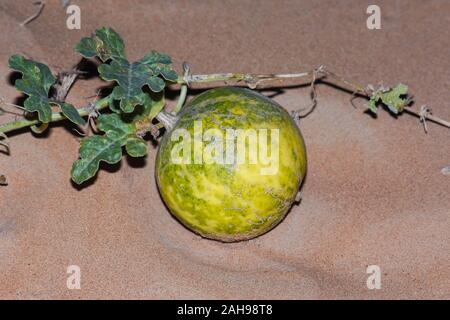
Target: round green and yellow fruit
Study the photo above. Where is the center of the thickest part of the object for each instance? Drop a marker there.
(232, 165)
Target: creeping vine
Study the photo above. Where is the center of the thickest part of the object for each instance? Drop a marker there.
(136, 104)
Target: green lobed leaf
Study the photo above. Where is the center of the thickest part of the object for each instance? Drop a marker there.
(165, 71)
(153, 70)
(154, 57)
(113, 125)
(153, 105)
(131, 77)
(373, 105)
(395, 99)
(107, 147)
(105, 43)
(160, 64)
(136, 147)
(71, 113)
(36, 82)
(93, 150)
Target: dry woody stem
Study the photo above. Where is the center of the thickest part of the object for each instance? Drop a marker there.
(251, 80)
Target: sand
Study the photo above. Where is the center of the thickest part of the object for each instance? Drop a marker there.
(374, 195)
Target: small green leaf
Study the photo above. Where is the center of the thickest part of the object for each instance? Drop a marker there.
(36, 82)
(87, 47)
(93, 150)
(71, 113)
(156, 84)
(143, 115)
(127, 100)
(136, 147)
(156, 57)
(160, 64)
(393, 98)
(113, 125)
(131, 77)
(107, 147)
(105, 43)
(165, 71)
(153, 70)
(373, 105)
(153, 105)
(41, 105)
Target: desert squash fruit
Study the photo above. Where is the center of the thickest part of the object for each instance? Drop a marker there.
(232, 164)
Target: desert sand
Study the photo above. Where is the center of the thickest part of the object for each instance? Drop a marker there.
(374, 194)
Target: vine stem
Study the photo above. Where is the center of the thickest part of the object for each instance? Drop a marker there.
(251, 80)
(56, 116)
(430, 117)
(423, 116)
(183, 89)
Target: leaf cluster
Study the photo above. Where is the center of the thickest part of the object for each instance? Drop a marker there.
(137, 97)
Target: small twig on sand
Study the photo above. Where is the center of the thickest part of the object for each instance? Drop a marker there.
(41, 5)
(424, 111)
(423, 116)
(296, 114)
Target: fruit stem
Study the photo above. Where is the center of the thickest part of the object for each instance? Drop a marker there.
(168, 120)
(183, 90)
(181, 99)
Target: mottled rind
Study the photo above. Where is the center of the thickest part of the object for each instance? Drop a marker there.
(232, 202)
